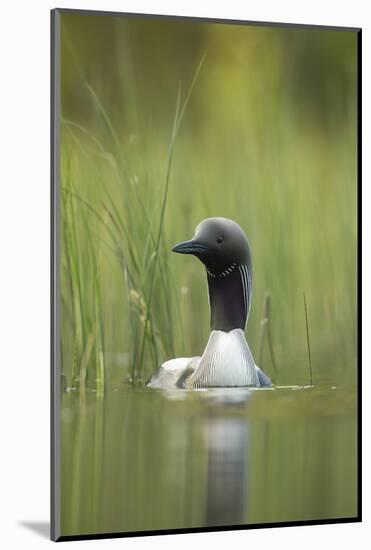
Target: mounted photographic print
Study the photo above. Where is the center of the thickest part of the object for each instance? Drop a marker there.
(205, 198)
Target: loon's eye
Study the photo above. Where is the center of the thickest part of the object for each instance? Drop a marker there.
(219, 239)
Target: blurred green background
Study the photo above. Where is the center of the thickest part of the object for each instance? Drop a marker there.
(268, 138)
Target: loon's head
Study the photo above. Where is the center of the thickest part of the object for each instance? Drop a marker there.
(220, 244)
(223, 248)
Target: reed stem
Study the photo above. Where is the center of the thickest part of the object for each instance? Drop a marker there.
(308, 339)
(266, 331)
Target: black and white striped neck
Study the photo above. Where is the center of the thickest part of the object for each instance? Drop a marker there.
(230, 292)
(226, 271)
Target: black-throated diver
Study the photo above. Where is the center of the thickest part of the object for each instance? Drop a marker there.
(227, 361)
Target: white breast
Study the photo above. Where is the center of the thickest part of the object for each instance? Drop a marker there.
(226, 362)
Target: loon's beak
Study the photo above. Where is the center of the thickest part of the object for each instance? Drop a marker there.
(190, 247)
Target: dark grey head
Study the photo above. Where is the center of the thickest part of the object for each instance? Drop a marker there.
(223, 248)
(219, 243)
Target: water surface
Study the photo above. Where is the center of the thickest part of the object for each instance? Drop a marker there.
(136, 460)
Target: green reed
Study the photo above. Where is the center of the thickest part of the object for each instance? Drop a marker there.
(120, 235)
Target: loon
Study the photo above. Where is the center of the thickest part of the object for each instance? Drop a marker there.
(227, 361)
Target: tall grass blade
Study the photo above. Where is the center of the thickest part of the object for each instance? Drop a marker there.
(266, 332)
(308, 339)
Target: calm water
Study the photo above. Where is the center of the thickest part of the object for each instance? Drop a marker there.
(143, 459)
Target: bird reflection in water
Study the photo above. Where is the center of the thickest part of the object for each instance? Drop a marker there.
(227, 443)
(225, 435)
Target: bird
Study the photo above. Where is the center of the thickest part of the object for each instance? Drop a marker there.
(223, 248)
